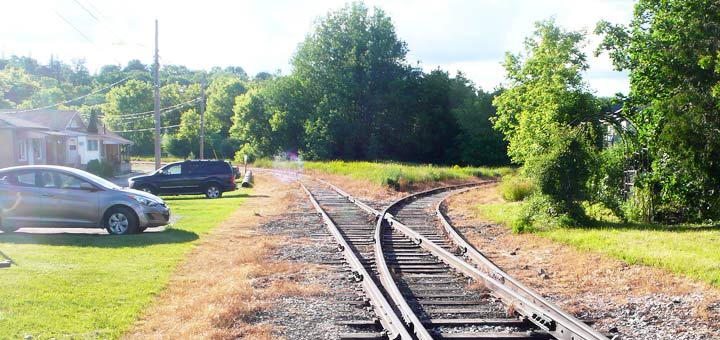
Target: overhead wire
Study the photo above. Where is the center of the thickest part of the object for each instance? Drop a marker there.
(74, 99)
(150, 129)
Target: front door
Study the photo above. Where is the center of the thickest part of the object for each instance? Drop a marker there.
(170, 180)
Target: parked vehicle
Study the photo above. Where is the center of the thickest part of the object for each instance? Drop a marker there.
(209, 177)
(57, 196)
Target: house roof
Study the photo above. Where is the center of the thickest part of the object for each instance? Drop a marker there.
(12, 121)
(57, 120)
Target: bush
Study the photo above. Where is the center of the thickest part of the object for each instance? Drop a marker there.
(514, 188)
(542, 213)
(100, 168)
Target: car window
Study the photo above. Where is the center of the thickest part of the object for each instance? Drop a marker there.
(26, 179)
(218, 168)
(47, 179)
(192, 168)
(21, 178)
(66, 181)
(173, 169)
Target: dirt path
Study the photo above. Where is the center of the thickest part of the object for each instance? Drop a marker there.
(638, 301)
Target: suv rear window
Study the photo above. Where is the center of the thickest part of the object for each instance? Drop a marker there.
(207, 168)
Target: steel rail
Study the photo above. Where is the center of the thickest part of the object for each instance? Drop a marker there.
(390, 321)
(560, 316)
(560, 325)
(411, 319)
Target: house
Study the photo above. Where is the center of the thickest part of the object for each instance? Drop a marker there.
(58, 137)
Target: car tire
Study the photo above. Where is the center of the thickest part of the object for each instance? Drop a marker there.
(148, 189)
(8, 229)
(121, 221)
(213, 190)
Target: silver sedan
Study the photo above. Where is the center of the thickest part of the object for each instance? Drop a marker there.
(40, 196)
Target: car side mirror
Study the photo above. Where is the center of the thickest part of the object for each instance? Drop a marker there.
(87, 186)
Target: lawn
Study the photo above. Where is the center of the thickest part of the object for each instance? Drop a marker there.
(83, 286)
(390, 174)
(685, 249)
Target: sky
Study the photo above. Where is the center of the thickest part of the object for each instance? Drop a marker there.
(261, 36)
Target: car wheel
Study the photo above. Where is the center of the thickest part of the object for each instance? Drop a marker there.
(8, 229)
(148, 189)
(121, 221)
(213, 191)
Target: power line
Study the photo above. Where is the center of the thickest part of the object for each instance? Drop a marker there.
(74, 99)
(74, 27)
(87, 10)
(150, 129)
(129, 115)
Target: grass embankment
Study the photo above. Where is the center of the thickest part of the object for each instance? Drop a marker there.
(687, 249)
(94, 286)
(395, 175)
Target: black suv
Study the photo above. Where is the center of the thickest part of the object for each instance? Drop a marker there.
(209, 177)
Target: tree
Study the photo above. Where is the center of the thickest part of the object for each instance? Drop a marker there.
(672, 50)
(544, 113)
(129, 107)
(346, 65)
(221, 96)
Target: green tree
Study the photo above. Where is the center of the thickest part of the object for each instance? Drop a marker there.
(125, 109)
(544, 113)
(672, 50)
(346, 65)
(221, 96)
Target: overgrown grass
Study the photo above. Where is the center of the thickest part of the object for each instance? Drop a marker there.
(688, 250)
(516, 188)
(394, 175)
(83, 286)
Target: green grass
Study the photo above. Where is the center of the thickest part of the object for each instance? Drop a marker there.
(689, 250)
(94, 286)
(390, 174)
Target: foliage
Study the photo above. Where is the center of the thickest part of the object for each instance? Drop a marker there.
(351, 95)
(545, 115)
(607, 184)
(516, 188)
(56, 269)
(673, 101)
(100, 168)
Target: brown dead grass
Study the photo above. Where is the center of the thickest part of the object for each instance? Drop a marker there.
(582, 278)
(227, 278)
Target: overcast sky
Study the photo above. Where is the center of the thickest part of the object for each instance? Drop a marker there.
(261, 35)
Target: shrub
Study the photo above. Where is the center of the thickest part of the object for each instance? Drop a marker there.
(514, 188)
(100, 168)
(542, 213)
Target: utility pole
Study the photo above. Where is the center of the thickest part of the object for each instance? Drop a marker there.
(156, 69)
(202, 121)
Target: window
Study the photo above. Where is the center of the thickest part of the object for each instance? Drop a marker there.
(21, 178)
(92, 145)
(37, 148)
(67, 181)
(172, 169)
(22, 150)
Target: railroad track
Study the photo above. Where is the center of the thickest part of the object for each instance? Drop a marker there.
(425, 281)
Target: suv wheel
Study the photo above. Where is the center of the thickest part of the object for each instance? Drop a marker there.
(213, 190)
(7, 229)
(121, 221)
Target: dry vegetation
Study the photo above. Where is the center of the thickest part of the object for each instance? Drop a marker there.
(226, 279)
(582, 278)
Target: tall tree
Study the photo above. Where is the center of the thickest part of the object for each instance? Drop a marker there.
(347, 64)
(542, 112)
(672, 50)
